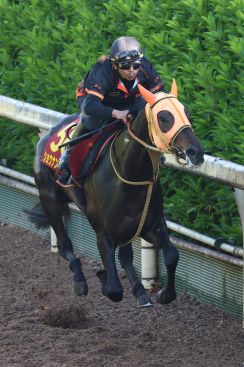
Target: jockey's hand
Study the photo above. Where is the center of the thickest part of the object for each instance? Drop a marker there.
(130, 117)
(120, 115)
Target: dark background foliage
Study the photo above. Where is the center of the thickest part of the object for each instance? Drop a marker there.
(48, 46)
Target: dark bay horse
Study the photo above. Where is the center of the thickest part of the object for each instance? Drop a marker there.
(123, 196)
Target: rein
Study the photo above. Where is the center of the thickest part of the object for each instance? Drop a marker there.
(147, 146)
(154, 160)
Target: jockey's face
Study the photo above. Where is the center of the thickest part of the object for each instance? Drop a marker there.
(130, 72)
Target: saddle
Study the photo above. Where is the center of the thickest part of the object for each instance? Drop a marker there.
(84, 155)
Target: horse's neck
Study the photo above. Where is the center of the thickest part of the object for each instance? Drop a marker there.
(132, 157)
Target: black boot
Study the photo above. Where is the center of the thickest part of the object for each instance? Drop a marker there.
(63, 166)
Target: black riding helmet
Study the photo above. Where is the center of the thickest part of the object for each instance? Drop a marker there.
(125, 49)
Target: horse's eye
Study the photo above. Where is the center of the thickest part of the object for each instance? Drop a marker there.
(187, 113)
(165, 120)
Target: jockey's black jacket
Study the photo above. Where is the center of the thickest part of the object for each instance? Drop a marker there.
(105, 90)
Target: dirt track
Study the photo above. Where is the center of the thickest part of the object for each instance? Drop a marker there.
(44, 325)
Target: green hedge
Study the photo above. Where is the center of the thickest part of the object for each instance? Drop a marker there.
(47, 46)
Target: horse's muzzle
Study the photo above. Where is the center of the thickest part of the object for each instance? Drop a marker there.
(195, 156)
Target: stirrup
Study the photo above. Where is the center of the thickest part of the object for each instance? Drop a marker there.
(65, 179)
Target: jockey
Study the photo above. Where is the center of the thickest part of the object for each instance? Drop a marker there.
(109, 91)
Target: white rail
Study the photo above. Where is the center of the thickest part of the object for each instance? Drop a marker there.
(214, 168)
(28, 113)
(217, 169)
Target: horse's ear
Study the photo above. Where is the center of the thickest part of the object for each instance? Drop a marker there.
(148, 96)
(174, 88)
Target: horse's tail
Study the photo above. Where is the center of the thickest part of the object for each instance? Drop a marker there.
(37, 216)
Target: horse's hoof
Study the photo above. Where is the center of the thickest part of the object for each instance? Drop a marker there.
(115, 296)
(80, 288)
(165, 297)
(144, 301)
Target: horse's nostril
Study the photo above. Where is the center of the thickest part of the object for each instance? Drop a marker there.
(190, 152)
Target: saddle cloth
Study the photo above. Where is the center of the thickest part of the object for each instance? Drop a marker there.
(84, 155)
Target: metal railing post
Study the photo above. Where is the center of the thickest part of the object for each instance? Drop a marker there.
(239, 196)
(54, 246)
(148, 264)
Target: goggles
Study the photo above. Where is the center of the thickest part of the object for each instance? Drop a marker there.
(126, 56)
(128, 65)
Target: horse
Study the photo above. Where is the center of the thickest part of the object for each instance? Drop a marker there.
(123, 195)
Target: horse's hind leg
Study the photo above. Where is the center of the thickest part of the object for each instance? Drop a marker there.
(158, 235)
(109, 278)
(125, 256)
(53, 206)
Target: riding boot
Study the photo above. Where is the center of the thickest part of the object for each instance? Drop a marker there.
(63, 167)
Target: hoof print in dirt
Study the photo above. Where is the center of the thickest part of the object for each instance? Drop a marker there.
(69, 317)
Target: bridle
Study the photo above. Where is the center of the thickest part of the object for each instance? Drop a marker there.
(153, 150)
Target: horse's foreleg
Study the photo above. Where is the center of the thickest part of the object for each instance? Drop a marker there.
(158, 235)
(126, 260)
(54, 207)
(111, 286)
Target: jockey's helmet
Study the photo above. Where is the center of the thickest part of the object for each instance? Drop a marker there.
(124, 50)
